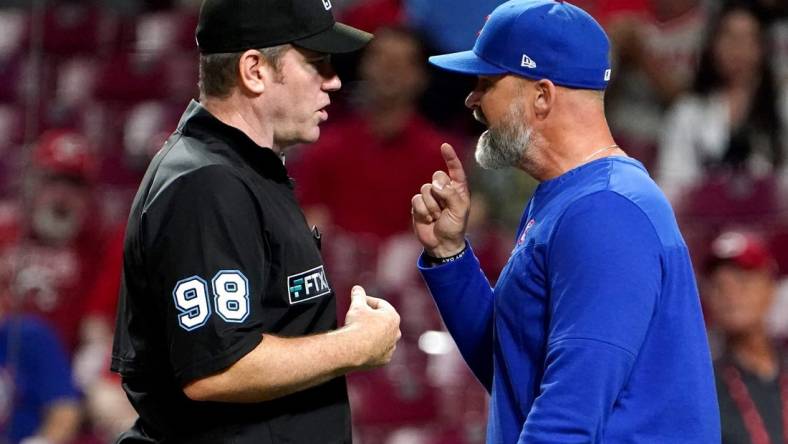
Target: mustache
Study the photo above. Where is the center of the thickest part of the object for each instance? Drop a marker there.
(479, 116)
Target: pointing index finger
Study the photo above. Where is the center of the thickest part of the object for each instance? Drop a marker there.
(453, 164)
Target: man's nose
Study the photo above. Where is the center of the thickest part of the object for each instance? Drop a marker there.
(332, 82)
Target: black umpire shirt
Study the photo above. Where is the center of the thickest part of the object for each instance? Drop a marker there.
(216, 253)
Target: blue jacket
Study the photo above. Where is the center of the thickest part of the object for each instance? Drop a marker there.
(594, 331)
(34, 374)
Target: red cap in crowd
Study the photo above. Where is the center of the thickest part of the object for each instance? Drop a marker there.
(743, 249)
(65, 152)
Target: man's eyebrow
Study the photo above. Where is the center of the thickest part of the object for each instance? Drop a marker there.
(318, 57)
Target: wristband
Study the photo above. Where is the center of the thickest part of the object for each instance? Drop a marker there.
(35, 440)
(431, 260)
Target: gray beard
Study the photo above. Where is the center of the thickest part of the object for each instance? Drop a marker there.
(505, 146)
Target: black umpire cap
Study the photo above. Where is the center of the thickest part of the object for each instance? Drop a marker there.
(238, 25)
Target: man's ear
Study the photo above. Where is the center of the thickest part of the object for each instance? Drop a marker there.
(252, 68)
(544, 98)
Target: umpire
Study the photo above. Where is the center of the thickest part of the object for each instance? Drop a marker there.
(226, 329)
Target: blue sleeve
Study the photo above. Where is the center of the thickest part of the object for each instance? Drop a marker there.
(605, 273)
(465, 301)
(48, 363)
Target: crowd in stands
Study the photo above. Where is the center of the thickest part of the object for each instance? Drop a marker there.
(89, 91)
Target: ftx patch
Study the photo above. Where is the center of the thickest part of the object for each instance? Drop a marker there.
(307, 285)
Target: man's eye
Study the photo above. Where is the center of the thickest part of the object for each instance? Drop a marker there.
(319, 61)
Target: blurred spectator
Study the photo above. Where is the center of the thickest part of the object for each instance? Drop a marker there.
(752, 379)
(38, 402)
(655, 52)
(777, 13)
(731, 122)
(47, 256)
(381, 153)
(448, 26)
(107, 409)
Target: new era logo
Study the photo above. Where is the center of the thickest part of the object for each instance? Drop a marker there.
(327, 4)
(607, 75)
(527, 62)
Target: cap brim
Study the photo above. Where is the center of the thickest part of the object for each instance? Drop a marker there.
(337, 39)
(466, 62)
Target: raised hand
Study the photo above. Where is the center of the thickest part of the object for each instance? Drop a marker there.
(440, 211)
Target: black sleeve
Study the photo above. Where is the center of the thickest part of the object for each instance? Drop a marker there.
(204, 246)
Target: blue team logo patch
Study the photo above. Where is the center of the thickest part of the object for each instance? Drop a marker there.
(307, 285)
(527, 228)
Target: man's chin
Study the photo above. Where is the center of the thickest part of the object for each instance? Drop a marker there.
(482, 154)
(302, 139)
(312, 136)
(486, 155)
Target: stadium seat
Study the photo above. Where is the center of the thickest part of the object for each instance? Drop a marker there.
(76, 28)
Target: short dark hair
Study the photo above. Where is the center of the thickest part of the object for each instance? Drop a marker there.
(218, 72)
(763, 120)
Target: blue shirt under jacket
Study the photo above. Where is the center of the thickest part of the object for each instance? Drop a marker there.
(594, 331)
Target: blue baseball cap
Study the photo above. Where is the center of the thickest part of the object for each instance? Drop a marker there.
(538, 39)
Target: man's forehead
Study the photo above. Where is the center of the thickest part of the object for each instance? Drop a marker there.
(504, 80)
(491, 78)
(309, 53)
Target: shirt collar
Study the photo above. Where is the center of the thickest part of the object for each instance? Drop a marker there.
(199, 122)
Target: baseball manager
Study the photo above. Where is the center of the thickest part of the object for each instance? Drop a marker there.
(593, 332)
